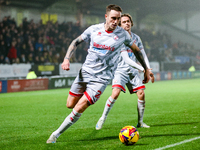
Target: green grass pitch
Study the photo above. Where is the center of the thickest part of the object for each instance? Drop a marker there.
(172, 110)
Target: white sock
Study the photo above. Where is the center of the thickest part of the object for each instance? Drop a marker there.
(109, 104)
(69, 120)
(140, 108)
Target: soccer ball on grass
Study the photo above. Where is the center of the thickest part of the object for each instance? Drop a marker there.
(129, 135)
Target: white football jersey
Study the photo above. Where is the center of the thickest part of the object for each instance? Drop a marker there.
(104, 50)
(123, 67)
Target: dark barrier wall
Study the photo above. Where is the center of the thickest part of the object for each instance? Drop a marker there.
(181, 64)
(27, 85)
(3, 86)
(66, 82)
(172, 75)
(47, 70)
(196, 74)
(62, 82)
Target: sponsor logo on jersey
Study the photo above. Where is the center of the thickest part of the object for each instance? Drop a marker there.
(104, 47)
(130, 52)
(115, 81)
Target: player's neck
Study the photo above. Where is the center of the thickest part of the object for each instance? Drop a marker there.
(129, 31)
(107, 29)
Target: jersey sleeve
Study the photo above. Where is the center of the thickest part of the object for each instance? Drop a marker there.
(86, 34)
(128, 40)
(141, 47)
(123, 48)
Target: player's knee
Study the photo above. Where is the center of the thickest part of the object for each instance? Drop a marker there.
(69, 105)
(141, 94)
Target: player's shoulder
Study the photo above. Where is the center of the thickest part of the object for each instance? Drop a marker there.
(120, 29)
(96, 26)
(135, 35)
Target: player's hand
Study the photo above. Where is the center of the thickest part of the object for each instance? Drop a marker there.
(146, 76)
(151, 75)
(65, 65)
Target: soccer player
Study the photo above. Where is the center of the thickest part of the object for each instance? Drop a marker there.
(126, 75)
(106, 40)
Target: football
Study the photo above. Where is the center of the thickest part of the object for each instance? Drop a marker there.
(129, 135)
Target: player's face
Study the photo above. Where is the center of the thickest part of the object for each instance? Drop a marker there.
(126, 23)
(112, 20)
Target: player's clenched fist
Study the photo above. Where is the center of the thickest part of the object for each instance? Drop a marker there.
(65, 65)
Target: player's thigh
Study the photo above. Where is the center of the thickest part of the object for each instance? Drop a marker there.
(94, 91)
(119, 81)
(75, 93)
(135, 84)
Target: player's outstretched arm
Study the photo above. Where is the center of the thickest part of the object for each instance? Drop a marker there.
(72, 47)
(140, 58)
(130, 62)
(148, 65)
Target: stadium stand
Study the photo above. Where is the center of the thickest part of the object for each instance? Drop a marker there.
(36, 43)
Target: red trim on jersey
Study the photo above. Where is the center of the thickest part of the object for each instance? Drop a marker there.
(136, 89)
(75, 95)
(119, 86)
(109, 31)
(88, 97)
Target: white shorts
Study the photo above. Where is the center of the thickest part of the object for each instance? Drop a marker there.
(84, 84)
(132, 81)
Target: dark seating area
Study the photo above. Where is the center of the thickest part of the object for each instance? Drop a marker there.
(38, 43)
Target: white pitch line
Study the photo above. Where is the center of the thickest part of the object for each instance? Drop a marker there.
(179, 143)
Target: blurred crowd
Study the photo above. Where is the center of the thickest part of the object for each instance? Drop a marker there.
(159, 47)
(38, 43)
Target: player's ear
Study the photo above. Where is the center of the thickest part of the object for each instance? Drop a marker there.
(106, 16)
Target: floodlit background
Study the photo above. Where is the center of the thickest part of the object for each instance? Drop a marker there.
(41, 30)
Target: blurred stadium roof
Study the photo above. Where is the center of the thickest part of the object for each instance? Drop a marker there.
(97, 7)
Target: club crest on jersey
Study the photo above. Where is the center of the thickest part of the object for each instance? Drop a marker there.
(115, 81)
(116, 38)
(99, 33)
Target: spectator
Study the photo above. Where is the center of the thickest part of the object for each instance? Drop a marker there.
(30, 58)
(37, 60)
(2, 59)
(31, 74)
(12, 53)
(198, 58)
(7, 61)
(17, 61)
(39, 44)
(42, 61)
(23, 58)
(46, 57)
(3, 50)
